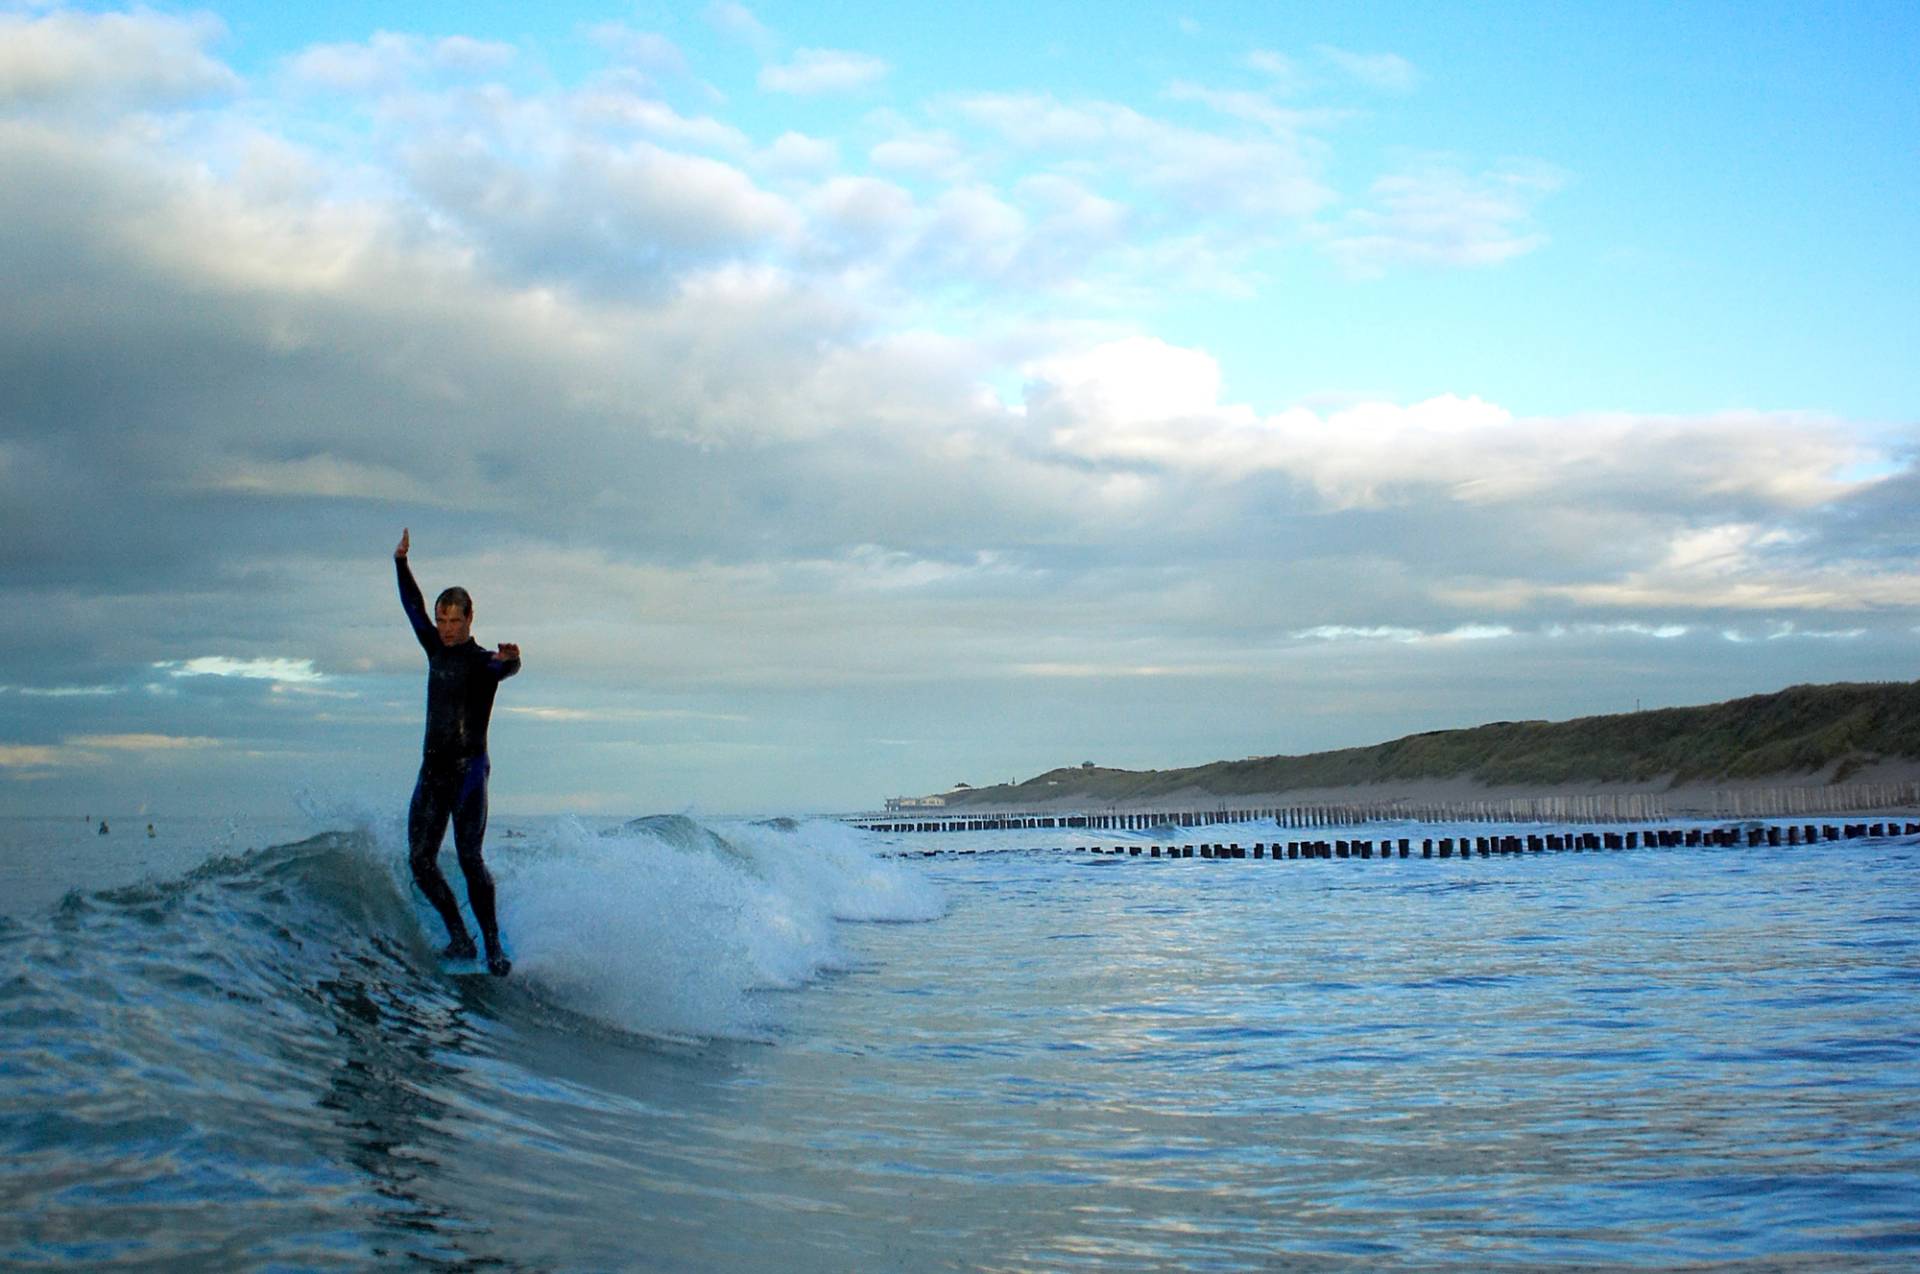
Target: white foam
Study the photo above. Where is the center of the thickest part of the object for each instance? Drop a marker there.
(672, 939)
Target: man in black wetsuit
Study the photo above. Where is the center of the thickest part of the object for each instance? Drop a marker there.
(462, 676)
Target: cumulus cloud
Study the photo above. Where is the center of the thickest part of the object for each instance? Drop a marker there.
(109, 59)
(798, 154)
(866, 213)
(657, 120)
(1138, 381)
(1143, 401)
(925, 154)
(598, 215)
(391, 59)
(814, 71)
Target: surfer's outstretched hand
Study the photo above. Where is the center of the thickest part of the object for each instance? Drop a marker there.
(401, 549)
(510, 650)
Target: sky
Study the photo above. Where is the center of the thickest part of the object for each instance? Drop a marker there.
(841, 401)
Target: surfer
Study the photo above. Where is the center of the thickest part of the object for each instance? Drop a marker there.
(462, 676)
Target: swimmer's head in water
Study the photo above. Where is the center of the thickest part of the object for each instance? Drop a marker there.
(453, 616)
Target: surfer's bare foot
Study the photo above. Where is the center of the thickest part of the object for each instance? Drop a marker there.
(461, 948)
(498, 965)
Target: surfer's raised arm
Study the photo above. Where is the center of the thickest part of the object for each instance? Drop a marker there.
(506, 660)
(411, 600)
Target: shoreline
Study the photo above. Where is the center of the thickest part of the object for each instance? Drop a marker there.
(1693, 799)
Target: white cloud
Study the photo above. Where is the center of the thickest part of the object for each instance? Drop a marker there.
(1257, 108)
(605, 216)
(323, 476)
(1394, 633)
(29, 760)
(658, 120)
(971, 233)
(801, 155)
(1349, 632)
(1087, 670)
(276, 669)
(68, 692)
(873, 211)
(464, 53)
(1733, 566)
(648, 50)
(139, 742)
(1439, 216)
(560, 715)
(814, 71)
(1141, 400)
(933, 154)
(1281, 69)
(1137, 381)
(873, 568)
(33, 756)
(389, 60)
(293, 692)
(739, 22)
(1384, 72)
(1211, 173)
(1659, 632)
(1791, 632)
(98, 59)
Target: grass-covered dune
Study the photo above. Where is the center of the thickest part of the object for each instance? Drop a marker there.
(1831, 731)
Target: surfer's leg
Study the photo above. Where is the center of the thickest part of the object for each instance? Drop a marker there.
(426, 827)
(469, 831)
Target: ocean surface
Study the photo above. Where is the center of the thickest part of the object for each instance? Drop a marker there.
(791, 1045)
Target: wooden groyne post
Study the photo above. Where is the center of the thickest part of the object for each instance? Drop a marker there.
(1731, 836)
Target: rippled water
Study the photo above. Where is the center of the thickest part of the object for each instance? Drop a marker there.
(1033, 1060)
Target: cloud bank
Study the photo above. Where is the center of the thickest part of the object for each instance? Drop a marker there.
(768, 458)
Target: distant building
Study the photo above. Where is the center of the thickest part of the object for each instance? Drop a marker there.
(915, 802)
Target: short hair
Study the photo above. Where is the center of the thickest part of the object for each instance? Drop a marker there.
(455, 596)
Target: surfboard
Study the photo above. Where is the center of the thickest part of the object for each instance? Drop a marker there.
(474, 966)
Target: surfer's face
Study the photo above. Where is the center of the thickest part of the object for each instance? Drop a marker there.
(455, 625)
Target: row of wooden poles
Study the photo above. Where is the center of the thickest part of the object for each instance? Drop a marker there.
(1539, 842)
(1617, 807)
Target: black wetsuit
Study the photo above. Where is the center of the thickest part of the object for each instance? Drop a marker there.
(461, 681)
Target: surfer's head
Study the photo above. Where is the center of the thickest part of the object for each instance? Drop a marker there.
(453, 616)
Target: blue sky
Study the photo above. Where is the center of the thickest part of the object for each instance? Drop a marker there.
(839, 403)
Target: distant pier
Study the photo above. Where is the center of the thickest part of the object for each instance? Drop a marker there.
(1743, 835)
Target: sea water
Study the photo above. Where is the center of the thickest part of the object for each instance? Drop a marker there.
(733, 1044)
